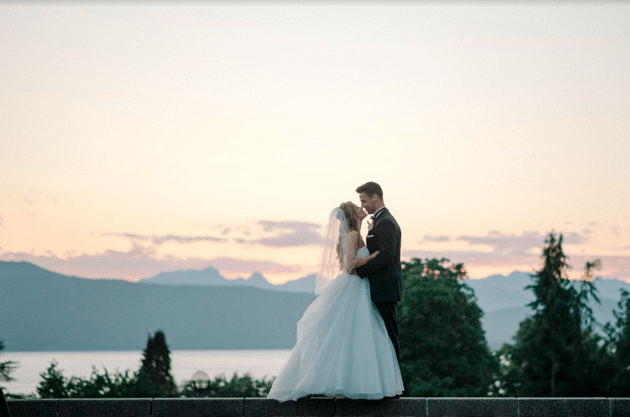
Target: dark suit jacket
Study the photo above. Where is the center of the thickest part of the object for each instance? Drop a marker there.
(384, 271)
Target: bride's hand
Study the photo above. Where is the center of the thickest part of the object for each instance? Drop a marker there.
(362, 261)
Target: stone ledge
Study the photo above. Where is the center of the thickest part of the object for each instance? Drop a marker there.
(387, 407)
(564, 407)
(32, 408)
(478, 407)
(305, 407)
(197, 407)
(326, 407)
(620, 407)
(123, 407)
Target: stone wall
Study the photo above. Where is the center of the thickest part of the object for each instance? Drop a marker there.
(425, 407)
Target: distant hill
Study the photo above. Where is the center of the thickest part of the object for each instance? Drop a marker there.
(306, 284)
(208, 276)
(42, 310)
(501, 325)
(200, 309)
(498, 292)
(504, 301)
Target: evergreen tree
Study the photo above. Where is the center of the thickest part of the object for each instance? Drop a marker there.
(154, 377)
(556, 352)
(444, 352)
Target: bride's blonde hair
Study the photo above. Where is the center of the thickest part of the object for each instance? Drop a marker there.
(352, 222)
(349, 210)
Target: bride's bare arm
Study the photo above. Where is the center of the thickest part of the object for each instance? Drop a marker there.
(362, 261)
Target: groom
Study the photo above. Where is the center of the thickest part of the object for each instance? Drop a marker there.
(384, 271)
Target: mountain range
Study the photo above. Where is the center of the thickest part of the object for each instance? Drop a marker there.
(200, 309)
(211, 276)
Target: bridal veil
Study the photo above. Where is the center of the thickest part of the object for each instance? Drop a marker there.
(335, 253)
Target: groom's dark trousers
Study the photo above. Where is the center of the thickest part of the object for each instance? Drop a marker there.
(384, 271)
(388, 312)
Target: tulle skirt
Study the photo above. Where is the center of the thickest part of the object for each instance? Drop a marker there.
(342, 348)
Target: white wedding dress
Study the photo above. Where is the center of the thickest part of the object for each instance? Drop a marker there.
(342, 347)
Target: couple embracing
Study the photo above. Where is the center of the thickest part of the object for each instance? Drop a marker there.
(347, 339)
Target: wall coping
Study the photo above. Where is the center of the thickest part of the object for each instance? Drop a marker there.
(425, 407)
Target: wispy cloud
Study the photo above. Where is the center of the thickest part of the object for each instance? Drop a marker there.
(503, 243)
(428, 238)
(145, 258)
(288, 234)
(476, 258)
(500, 250)
(518, 244)
(279, 234)
(35, 197)
(159, 240)
(141, 262)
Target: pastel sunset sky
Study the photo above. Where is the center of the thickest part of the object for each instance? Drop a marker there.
(144, 137)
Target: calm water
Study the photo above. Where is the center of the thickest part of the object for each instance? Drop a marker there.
(184, 363)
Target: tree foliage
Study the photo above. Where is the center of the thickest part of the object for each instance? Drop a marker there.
(6, 367)
(100, 385)
(238, 386)
(122, 385)
(556, 351)
(53, 383)
(444, 352)
(619, 383)
(154, 377)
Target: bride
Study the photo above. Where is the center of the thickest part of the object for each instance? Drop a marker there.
(342, 348)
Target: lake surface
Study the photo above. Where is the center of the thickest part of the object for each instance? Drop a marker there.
(184, 363)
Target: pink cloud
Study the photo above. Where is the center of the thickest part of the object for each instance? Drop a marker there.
(273, 234)
(141, 262)
(519, 244)
(289, 234)
(159, 240)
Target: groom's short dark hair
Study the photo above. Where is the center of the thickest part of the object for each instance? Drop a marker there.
(371, 188)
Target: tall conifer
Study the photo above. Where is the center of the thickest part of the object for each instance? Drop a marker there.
(155, 371)
(553, 354)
